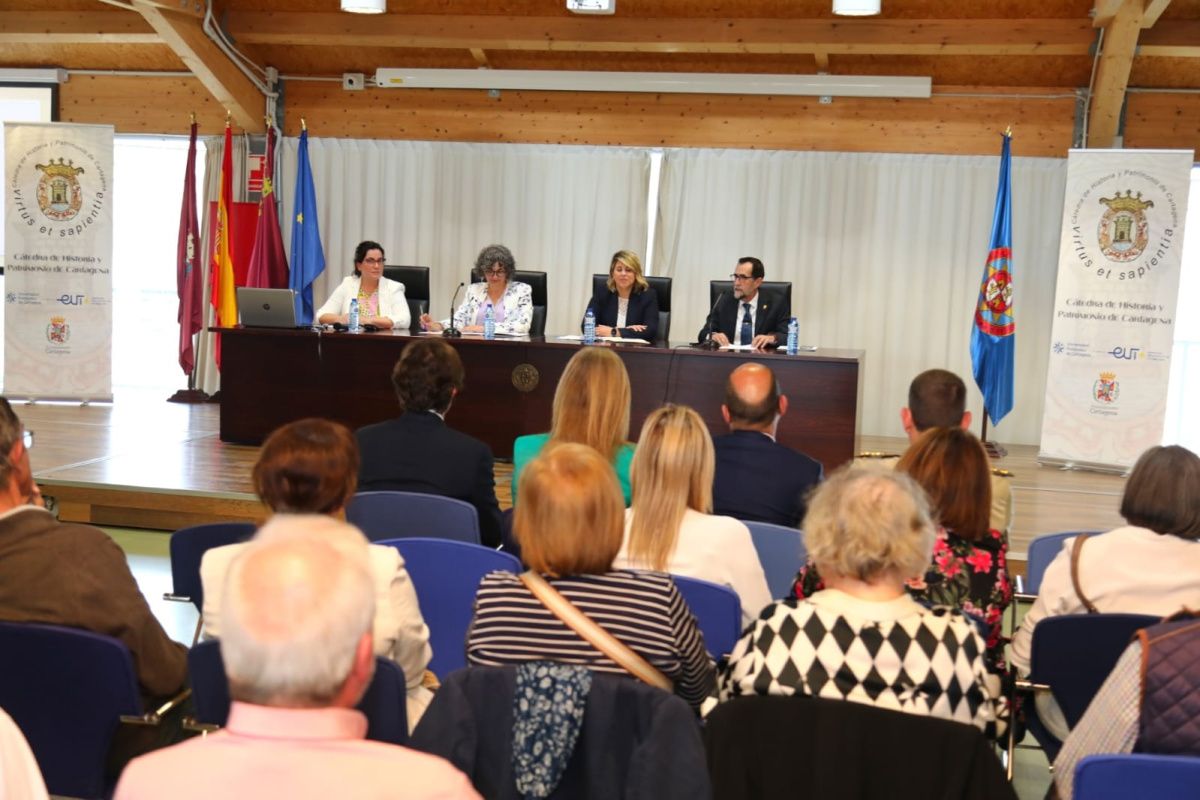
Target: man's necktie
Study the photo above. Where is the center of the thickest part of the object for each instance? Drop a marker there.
(747, 331)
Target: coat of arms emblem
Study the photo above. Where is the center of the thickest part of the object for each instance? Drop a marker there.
(1106, 390)
(1124, 231)
(58, 331)
(59, 194)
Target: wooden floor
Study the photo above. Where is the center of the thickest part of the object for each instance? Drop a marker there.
(142, 462)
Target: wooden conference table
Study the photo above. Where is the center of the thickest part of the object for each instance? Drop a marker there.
(272, 377)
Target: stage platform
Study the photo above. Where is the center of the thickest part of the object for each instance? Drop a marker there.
(142, 462)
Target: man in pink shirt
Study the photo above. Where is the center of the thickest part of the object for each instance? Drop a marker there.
(297, 648)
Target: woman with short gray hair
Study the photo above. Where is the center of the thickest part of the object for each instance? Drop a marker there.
(511, 302)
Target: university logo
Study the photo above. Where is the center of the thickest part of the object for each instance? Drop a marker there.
(58, 331)
(1106, 390)
(58, 192)
(1124, 231)
(994, 315)
(11, 297)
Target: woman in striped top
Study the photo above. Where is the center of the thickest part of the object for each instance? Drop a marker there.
(569, 522)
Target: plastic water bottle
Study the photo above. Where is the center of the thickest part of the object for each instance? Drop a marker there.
(589, 327)
(489, 322)
(793, 343)
(353, 323)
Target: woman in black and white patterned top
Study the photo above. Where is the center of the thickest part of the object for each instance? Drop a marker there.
(863, 638)
(570, 522)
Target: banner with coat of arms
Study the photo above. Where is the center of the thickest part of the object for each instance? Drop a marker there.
(1115, 306)
(58, 249)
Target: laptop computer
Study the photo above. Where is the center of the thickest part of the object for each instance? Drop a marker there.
(266, 308)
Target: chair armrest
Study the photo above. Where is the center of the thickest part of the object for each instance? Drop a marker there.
(155, 717)
(1023, 685)
(178, 598)
(1024, 598)
(202, 728)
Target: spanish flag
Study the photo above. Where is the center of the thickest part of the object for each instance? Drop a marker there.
(224, 294)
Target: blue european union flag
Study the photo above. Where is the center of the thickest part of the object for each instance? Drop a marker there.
(308, 259)
(993, 337)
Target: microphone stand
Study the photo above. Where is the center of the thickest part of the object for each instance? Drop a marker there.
(453, 332)
(709, 344)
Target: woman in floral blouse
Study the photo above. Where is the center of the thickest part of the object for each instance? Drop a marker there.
(969, 570)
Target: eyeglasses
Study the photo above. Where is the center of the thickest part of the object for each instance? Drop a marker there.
(498, 272)
(373, 262)
(735, 277)
(27, 439)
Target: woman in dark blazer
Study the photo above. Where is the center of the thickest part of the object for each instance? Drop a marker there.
(627, 307)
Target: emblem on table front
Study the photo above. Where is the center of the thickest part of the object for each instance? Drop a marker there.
(525, 377)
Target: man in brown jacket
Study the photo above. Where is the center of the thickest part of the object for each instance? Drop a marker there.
(74, 575)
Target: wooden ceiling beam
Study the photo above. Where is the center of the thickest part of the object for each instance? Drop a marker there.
(75, 27)
(1112, 73)
(615, 34)
(1154, 10)
(223, 79)
(1104, 11)
(1180, 39)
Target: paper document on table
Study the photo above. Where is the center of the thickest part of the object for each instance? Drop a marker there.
(737, 347)
(574, 337)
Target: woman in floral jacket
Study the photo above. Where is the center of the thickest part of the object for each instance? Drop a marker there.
(969, 570)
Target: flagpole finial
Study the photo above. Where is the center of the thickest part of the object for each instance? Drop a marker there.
(228, 117)
(270, 121)
(193, 116)
(1008, 132)
(303, 124)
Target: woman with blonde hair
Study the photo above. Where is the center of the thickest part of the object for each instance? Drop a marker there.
(591, 407)
(626, 307)
(568, 523)
(670, 526)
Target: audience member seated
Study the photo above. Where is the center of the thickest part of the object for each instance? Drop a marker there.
(591, 406)
(970, 567)
(299, 602)
(757, 478)
(626, 307)
(863, 638)
(510, 300)
(670, 527)
(76, 576)
(938, 399)
(1149, 566)
(1148, 704)
(417, 452)
(310, 467)
(569, 525)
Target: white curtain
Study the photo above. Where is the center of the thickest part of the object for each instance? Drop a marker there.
(885, 254)
(562, 210)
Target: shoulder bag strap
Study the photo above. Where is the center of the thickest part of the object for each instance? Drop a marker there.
(595, 635)
(1076, 549)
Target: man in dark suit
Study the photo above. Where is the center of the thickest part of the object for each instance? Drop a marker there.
(416, 452)
(757, 478)
(748, 316)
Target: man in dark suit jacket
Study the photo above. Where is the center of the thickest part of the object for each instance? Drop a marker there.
(416, 452)
(757, 478)
(748, 316)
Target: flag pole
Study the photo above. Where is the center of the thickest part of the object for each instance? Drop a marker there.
(190, 395)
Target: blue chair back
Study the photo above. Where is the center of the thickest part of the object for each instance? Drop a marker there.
(1042, 551)
(717, 609)
(393, 515)
(383, 702)
(446, 575)
(188, 546)
(1118, 777)
(782, 553)
(66, 689)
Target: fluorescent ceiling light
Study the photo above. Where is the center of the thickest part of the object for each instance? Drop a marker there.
(856, 8)
(364, 6)
(33, 75)
(654, 82)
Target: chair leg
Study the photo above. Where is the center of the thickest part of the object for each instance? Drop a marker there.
(196, 635)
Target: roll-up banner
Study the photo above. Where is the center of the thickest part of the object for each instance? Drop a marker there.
(1115, 305)
(58, 253)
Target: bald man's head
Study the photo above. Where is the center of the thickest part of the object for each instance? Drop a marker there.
(752, 399)
(298, 603)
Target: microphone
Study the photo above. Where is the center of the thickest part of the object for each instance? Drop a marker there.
(453, 332)
(709, 344)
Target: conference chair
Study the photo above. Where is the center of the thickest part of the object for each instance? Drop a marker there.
(188, 546)
(1119, 777)
(781, 552)
(717, 609)
(1042, 551)
(69, 690)
(391, 515)
(717, 288)
(537, 284)
(662, 288)
(446, 576)
(383, 703)
(1070, 657)
(416, 289)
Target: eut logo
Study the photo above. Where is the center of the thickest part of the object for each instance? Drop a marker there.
(1127, 354)
(71, 299)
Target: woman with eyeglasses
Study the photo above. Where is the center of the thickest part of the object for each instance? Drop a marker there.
(381, 301)
(511, 302)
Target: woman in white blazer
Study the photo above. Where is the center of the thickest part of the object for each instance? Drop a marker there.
(381, 302)
(512, 302)
(311, 467)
